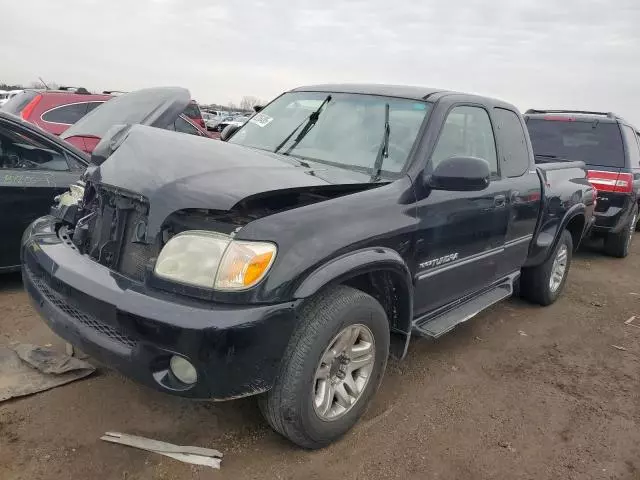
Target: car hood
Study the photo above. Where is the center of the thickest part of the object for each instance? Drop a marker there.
(176, 172)
(156, 107)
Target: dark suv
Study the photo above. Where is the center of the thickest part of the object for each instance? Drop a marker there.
(609, 146)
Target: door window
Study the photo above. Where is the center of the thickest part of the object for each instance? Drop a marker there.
(21, 151)
(182, 126)
(514, 152)
(66, 114)
(467, 132)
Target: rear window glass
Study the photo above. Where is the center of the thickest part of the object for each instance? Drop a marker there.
(66, 114)
(192, 111)
(18, 102)
(594, 143)
(513, 143)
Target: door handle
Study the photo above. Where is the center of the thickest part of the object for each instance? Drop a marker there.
(499, 200)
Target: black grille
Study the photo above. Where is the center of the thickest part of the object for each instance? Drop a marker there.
(134, 256)
(87, 320)
(116, 234)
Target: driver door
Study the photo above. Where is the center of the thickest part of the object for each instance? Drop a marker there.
(32, 173)
(461, 235)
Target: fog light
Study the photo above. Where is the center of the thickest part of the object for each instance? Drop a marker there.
(183, 370)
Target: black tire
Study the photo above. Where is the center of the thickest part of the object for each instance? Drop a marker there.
(617, 245)
(534, 281)
(288, 405)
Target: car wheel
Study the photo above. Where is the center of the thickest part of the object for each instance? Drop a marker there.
(332, 368)
(617, 245)
(543, 283)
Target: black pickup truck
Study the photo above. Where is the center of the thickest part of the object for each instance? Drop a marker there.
(291, 258)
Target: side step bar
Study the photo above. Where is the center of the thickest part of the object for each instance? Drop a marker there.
(436, 325)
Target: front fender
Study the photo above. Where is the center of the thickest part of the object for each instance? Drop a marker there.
(370, 260)
(549, 235)
(351, 265)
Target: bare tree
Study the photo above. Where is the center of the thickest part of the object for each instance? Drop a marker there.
(232, 106)
(248, 102)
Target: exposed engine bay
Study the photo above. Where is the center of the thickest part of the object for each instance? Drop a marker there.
(110, 225)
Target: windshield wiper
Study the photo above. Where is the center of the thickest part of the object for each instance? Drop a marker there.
(310, 122)
(383, 151)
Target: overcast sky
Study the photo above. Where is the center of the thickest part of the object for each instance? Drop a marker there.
(545, 53)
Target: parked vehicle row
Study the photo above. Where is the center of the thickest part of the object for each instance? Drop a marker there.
(236, 121)
(56, 110)
(5, 95)
(36, 166)
(292, 257)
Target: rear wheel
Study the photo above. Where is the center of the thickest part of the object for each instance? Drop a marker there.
(332, 368)
(617, 245)
(543, 283)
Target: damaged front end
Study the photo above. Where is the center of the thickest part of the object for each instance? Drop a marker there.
(110, 225)
(137, 196)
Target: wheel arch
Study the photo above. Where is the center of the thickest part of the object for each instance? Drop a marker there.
(574, 220)
(380, 272)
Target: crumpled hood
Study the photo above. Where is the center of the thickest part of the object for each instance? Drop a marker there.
(157, 107)
(176, 171)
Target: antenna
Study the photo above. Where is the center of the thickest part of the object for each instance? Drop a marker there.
(42, 82)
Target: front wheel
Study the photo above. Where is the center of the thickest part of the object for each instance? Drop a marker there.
(332, 368)
(543, 283)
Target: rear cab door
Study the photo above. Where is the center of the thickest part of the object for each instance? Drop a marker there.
(524, 198)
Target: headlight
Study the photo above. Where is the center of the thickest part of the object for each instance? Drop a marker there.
(212, 260)
(244, 264)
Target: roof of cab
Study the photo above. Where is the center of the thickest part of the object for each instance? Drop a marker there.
(402, 91)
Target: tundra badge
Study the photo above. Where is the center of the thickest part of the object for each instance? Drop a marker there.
(439, 261)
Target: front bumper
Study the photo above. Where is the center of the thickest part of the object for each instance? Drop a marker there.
(236, 350)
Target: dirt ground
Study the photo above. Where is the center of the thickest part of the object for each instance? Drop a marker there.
(519, 392)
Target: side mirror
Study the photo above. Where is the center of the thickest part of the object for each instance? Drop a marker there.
(257, 108)
(228, 132)
(460, 174)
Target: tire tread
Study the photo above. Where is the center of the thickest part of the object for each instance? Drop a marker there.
(314, 315)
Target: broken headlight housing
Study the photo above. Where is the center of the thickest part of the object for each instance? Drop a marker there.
(213, 260)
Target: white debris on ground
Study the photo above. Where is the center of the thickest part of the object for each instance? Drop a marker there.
(194, 455)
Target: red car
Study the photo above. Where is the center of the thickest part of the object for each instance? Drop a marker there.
(54, 110)
(192, 112)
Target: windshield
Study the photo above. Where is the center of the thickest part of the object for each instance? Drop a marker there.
(348, 131)
(594, 143)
